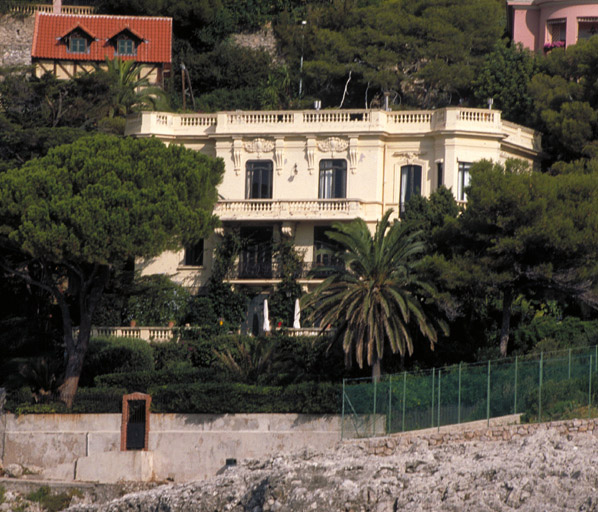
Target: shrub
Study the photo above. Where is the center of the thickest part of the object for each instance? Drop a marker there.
(53, 502)
(224, 398)
(156, 300)
(113, 355)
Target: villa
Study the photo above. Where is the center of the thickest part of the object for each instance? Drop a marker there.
(294, 173)
(546, 24)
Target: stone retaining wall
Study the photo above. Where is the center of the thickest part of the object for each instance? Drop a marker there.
(16, 36)
(399, 442)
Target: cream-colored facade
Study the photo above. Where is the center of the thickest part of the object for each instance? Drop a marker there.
(294, 173)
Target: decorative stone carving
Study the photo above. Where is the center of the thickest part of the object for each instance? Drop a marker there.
(408, 156)
(237, 147)
(353, 154)
(279, 154)
(310, 154)
(332, 145)
(288, 229)
(259, 146)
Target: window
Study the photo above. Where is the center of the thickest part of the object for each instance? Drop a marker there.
(255, 260)
(324, 251)
(333, 179)
(587, 27)
(463, 180)
(557, 29)
(194, 255)
(439, 174)
(125, 47)
(411, 183)
(259, 179)
(77, 44)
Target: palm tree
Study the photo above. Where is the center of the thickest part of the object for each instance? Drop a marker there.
(129, 90)
(377, 296)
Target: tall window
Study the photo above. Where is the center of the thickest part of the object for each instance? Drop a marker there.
(125, 47)
(333, 179)
(259, 179)
(77, 44)
(255, 260)
(411, 183)
(194, 255)
(463, 180)
(439, 174)
(324, 251)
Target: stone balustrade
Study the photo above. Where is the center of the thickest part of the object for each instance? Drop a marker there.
(28, 9)
(308, 209)
(143, 333)
(308, 122)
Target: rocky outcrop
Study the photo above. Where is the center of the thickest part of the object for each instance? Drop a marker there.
(548, 471)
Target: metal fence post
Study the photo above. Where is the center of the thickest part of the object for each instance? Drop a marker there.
(569, 373)
(590, 390)
(404, 396)
(375, 396)
(515, 405)
(343, 412)
(540, 387)
(488, 396)
(389, 422)
(432, 406)
(459, 397)
(438, 414)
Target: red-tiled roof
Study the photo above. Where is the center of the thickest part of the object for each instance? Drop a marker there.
(50, 29)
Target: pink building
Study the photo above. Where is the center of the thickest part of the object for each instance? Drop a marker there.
(544, 24)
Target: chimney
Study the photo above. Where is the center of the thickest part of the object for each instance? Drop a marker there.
(57, 6)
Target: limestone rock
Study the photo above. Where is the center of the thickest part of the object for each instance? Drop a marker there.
(547, 471)
(13, 471)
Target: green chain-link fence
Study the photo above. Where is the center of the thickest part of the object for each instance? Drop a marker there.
(541, 386)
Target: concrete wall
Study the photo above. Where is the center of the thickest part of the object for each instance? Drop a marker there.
(16, 35)
(183, 446)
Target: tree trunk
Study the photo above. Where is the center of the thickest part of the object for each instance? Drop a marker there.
(89, 296)
(507, 302)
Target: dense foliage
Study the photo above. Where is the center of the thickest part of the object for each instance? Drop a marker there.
(85, 207)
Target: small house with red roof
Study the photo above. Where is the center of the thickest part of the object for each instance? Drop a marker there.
(69, 44)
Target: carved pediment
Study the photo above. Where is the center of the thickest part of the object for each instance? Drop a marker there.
(332, 145)
(409, 156)
(259, 146)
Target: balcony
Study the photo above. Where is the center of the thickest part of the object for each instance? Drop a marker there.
(268, 271)
(272, 209)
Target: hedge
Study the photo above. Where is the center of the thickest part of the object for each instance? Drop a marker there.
(115, 355)
(87, 400)
(229, 398)
(142, 381)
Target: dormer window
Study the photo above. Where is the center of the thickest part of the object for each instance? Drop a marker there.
(77, 44)
(125, 47)
(77, 39)
(125, 42)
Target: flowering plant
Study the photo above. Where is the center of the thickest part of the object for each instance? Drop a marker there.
(554, 44)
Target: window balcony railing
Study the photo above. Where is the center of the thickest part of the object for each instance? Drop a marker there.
(274, 209)
(270, 270)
